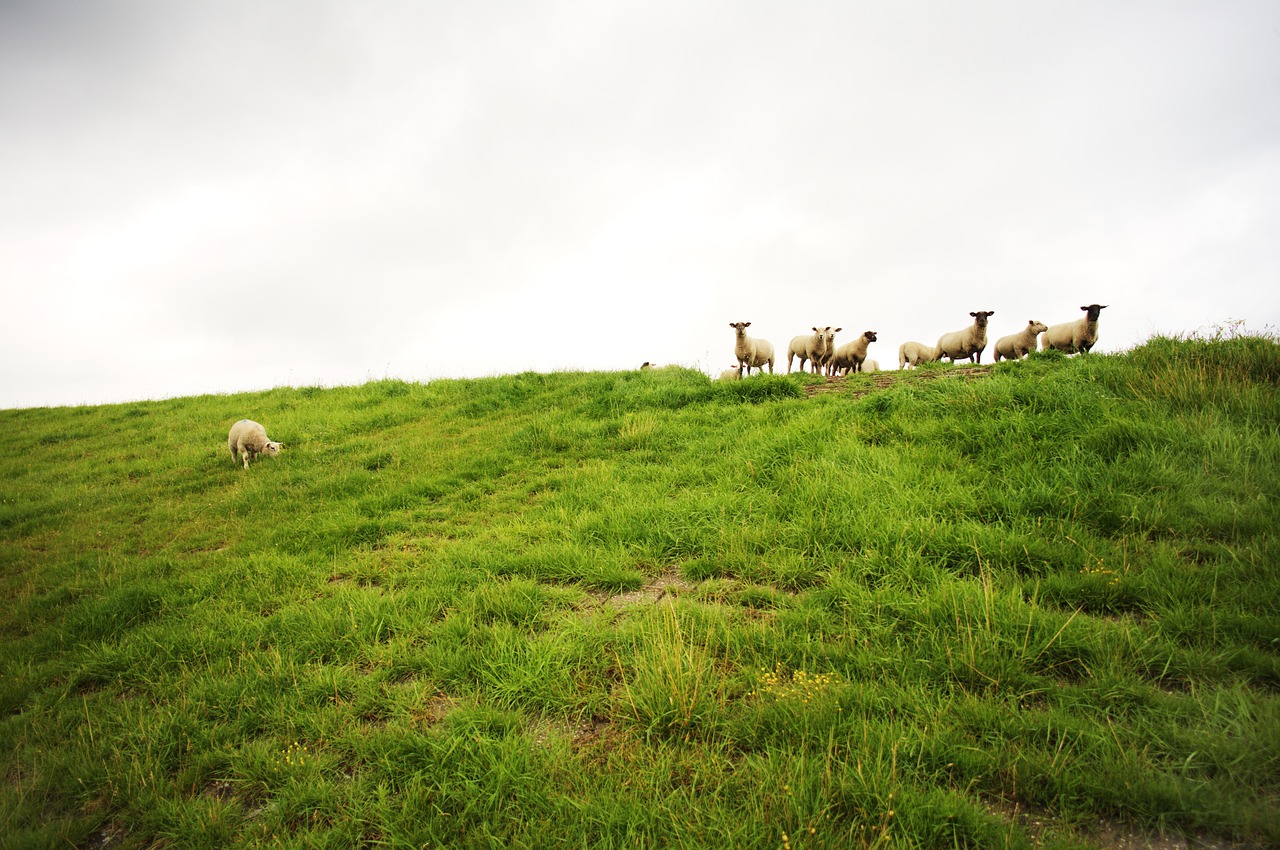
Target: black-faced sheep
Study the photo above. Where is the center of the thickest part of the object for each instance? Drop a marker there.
(850, 356)
(967, 342)
(1071, 337)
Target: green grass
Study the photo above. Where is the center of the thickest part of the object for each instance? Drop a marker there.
(649, 609)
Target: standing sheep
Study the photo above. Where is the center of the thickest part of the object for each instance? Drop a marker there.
(914, 353)
(751, 352)
(1071, 337)
(1016, 346)
(851, 356)
(816, 348)
(248, 438)
(968, 342)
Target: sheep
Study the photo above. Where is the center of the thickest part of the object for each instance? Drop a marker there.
(734, 373)
(871, 365)
(816, 347)
(751, 352)
(248, 438)
(1016, 346)
(967, 342)
(1072, 337)
(851, 356)
(914, 353)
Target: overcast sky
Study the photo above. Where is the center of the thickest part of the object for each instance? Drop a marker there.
(226, 196)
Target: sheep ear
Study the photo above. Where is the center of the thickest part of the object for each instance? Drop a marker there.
(837, 330)
(815, 330)
(971, 313)
(1086, 309)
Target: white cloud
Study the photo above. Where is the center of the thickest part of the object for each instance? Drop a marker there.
(244, 194)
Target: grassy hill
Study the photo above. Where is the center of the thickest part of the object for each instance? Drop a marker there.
(647, 609)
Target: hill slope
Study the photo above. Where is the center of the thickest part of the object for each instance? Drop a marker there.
(646, 608)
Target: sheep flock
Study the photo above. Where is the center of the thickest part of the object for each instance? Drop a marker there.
(818, 348)
(248, 439)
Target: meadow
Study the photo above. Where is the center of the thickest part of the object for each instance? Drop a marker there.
(646, 609)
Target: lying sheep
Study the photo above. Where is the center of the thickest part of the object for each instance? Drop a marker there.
(1071, 337)
(851, 356)
(914, 353)
(732, 374)
(816, 347)
(968, 342)
(248, 438)
(751, 352)
(1016, 346)
(871, 365)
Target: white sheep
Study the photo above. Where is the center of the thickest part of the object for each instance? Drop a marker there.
(751, 352)
(734, 373)
(816, 347)
(967, 342)
(1071, 337)
(248, 438)
(914, 353)
(851, 356)
(871, 365)
(1016, 346)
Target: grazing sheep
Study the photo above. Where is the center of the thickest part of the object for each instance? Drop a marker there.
(816, 347)
(967, 342)
(851, 356)
(1016, 346)
(914, 353)
(248, 438)
(732, 374)
(1071, 337)
(751, 352)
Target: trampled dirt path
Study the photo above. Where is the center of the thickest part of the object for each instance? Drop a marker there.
(883, 380)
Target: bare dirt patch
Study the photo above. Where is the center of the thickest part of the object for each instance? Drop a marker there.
(884, 380)
(668, 583)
